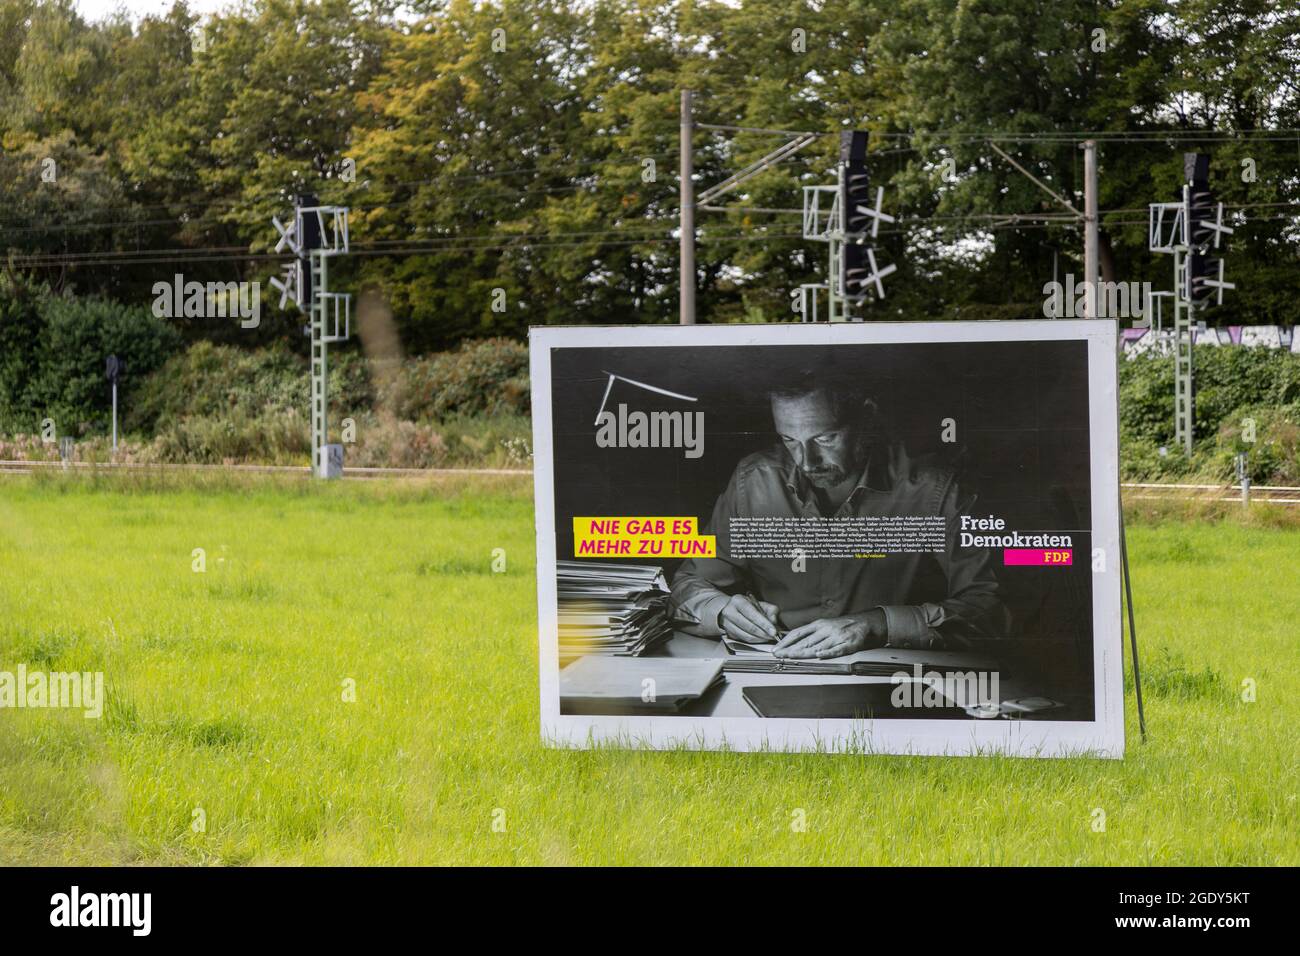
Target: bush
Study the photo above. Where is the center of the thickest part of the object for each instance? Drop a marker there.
(215, 404)
(1273, 457)
(1143, 460)
(485, 377)
(502, 441)
(392, 443)
(20, 334)
(278, 437)
(211, 381)
(1226, 379)
(53, 350)
(1146, 400)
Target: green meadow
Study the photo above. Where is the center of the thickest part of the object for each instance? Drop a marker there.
(349, 682)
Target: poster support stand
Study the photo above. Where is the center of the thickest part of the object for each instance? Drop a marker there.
(1132, 631)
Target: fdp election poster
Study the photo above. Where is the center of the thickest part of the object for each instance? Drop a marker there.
(872, 537)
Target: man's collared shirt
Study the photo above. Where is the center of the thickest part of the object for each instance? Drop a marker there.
(917, 592)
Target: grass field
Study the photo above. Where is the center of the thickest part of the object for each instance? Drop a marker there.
(225, 696)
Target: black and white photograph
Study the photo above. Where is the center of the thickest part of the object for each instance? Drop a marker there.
(896, 538)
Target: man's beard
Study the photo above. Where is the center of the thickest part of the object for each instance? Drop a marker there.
(827, 476)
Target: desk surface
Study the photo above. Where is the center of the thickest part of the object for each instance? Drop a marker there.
(726, 700)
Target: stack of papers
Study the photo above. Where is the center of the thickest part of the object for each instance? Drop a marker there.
(605, 685)
(619, 609)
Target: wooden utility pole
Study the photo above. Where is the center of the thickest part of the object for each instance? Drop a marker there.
(1090, 227)
(687, 214)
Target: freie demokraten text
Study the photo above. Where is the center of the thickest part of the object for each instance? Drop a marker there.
(1009, 539)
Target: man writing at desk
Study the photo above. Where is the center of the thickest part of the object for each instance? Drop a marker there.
(829, 463)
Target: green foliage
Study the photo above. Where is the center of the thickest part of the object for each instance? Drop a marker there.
(271, 436)
(213, 404)
(1226, 379)
(52, 354)
(1146, 399)
(484, 377)
(528, 147)
(515, 164)
(215, 381)
(20, 336)
(1273, 455)
(79, 335)
(211, 380)
(1233, 384)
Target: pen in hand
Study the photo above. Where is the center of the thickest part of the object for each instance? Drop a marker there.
(771, 618)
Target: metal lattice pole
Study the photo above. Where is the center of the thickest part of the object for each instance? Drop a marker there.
(840, 225)
(1184, 229)
(319, 363)
(1184, 407)
(306, 283)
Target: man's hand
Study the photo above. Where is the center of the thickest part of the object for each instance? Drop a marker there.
(834, 636)
(749, 620)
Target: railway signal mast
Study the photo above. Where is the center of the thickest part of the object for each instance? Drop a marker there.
(847, 225)
(316, 235)
(1188, 230)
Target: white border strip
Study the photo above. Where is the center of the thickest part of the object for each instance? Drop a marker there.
(1102, 737)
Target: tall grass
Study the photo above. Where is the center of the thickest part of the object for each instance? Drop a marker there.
(226, 702)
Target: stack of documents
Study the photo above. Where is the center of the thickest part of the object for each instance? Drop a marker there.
(617, 609)
(605, 685)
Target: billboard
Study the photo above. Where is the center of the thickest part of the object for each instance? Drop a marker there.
(868, 537)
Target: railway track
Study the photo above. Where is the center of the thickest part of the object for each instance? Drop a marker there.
(1155, 491)
(29, 467)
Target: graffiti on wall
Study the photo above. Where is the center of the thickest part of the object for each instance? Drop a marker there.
(1148, 341)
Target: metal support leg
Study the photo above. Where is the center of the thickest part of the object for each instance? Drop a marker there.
(1132, 631)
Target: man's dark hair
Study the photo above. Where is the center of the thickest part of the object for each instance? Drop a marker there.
(847, 397)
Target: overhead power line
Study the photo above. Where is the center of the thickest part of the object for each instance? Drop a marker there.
(983, 222)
